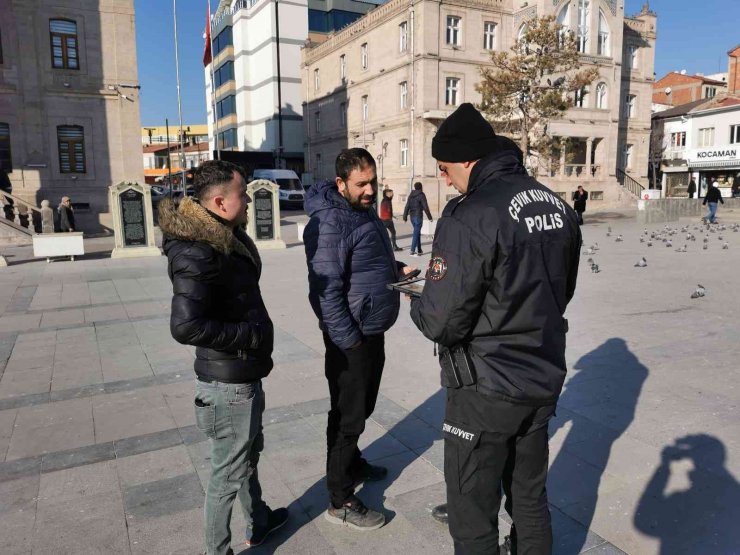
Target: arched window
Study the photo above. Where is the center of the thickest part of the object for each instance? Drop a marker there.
(603, 46)
(601, 96)
(520, 37)
(583, 30)
(63, 34)
(564, 22)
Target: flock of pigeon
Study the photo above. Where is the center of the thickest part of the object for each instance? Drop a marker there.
(667, 236)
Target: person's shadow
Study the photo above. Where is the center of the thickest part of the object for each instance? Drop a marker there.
(608, 382)
(408, 436)
(702, 518)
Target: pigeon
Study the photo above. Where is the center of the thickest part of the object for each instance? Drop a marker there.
(650, 243)
(725, 246)
(589, 251)
(641, 263)
(619, 239)
(595, 246)
(706, 239)
(609, 229)
(720, 238)
(693, 237)
(652, 235)
(669, 244)
(682, 249)
(595, 268)
(705, 247)
(700, 292)
(608, 233)
(590, 261)
(642, 239)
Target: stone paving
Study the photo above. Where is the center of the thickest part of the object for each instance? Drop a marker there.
(99, 452)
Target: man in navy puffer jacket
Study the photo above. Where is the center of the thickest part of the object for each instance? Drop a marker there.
(350, 262)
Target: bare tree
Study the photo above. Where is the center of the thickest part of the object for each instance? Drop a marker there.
(532, 84)
(657, 149)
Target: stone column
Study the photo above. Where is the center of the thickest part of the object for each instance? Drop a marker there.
(589, 149)
(562, 160)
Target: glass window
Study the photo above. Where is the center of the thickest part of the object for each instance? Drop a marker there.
(71, 144)
(403, 32)
(6, 162)
(451, 91)
(453, 30)
(710, 92)
(579, 97)
(583, 14)
(627, 157)
(404, 90)
(363, 56)
(706, 137)
(316, 80)
(603, 45)
(228, 139)
(226, 106)
(342, 68)
(343, 114)
(222, 40)
(1, 48)
(365, 109)
(601, 98)
(489, 35)
(404, 153)
(678, 139)
(734, 137)
(317, 119)
(224, 74)
(63, 34)
(630, 106)
(632, 60)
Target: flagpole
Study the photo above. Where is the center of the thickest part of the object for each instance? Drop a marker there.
(179, 103)
(213, 88)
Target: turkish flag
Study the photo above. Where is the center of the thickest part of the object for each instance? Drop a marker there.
(207, 56)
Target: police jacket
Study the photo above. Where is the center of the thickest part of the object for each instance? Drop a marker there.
(503, 268)
(350, 262)
(217, 304)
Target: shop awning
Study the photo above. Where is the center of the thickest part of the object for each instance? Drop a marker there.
(723, 164)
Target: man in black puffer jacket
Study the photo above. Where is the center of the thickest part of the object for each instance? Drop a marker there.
(217, 307)
(350, 263)
(503, 268)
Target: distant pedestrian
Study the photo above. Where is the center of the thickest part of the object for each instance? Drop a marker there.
(692, 188)
(66, 215)
(217, 307)
(386, 216)
(580, 196)
(713, 196)
(416, 207)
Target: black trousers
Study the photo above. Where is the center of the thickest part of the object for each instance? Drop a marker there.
(354, 379)
(491, 445)
(579, 214)
(389, 225)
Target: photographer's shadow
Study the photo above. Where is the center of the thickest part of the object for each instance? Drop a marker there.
(700, 518)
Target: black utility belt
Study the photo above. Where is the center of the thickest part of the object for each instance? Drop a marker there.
(457, 367)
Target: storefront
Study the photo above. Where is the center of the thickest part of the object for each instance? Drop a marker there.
(720, 165)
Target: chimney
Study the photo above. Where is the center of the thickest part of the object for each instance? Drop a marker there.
(733, 71)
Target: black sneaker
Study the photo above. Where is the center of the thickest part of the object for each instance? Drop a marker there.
(275, 520)
(370, 473)
(506, 548)
(439, 513)
(354, 514)
(397, 249)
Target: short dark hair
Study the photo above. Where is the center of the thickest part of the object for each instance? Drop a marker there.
(418, 186)
(352, 159)
(212, 174)
(387, 191)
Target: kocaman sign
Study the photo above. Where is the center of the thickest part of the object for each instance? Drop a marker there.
(715, 154)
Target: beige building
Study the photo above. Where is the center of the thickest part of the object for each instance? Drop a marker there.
(69, 103)
(387, 81)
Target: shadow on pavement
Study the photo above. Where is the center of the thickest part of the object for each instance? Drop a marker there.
(612, 376)
(702, 518)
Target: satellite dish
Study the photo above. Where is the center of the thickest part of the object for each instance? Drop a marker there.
(668, 90)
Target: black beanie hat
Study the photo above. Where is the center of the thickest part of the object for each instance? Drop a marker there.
(464, 136)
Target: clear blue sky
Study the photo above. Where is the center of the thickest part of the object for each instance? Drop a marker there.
(692, 35)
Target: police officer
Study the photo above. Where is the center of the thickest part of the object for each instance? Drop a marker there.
(503, 268)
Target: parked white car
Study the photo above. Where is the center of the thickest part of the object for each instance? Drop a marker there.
(291, 190)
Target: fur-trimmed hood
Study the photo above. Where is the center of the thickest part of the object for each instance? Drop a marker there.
(189, 221)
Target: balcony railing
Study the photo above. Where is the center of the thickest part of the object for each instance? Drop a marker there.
(582, 171)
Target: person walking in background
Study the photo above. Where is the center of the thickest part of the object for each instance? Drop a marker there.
(713, 196)
(66, 215)
(580, 196)
(217, 306)
(386, 216)
(350, 263)
(416, 207)
(692, 188)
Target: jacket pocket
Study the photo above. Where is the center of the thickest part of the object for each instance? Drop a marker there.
(460, 455)
(205, 418)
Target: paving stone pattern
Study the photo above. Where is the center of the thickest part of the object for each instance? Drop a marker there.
(99, 452)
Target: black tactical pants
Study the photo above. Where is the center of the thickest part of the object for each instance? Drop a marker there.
(492, 445)
(354, 380)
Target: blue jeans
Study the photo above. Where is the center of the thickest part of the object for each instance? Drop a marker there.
(416, 235)
(712, 214)
(231, 416)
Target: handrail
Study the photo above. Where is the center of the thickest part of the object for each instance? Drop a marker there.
(629, 183)
(21, 201)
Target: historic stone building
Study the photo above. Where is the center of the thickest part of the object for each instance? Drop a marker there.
(387, 81)
(69, 103)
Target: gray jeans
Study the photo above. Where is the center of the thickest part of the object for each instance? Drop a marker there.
(231, 416)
